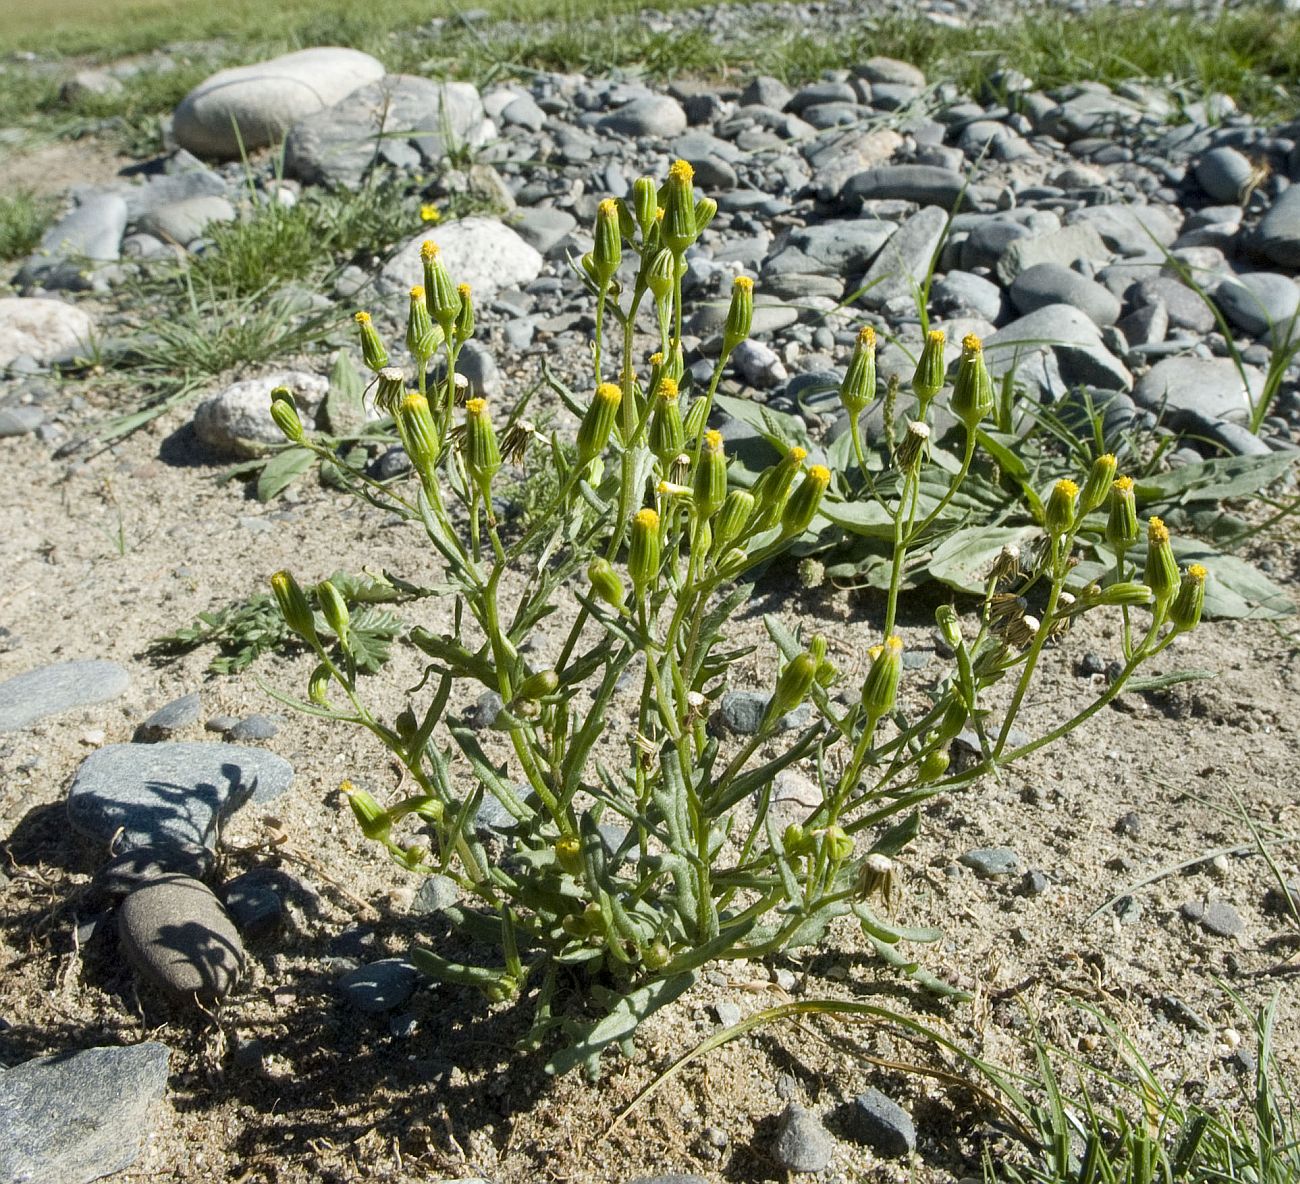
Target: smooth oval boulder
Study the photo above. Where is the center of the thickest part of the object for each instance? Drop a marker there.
(1050, 283)
(179, 939)
(1262, 303)
(49, 690)
(481, 252)
(237, 421)
(254, 106)
(1277, 238)
(1208, 387)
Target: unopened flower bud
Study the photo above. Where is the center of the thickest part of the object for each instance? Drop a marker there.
(373, 352)
(732, 519)
(932, 766)
(482, 453)
(796, 840)
(706, 210)
(285, 414)
(693, 424)
(1185, 611)
(928, 379)
(972, 391)
(568, 851)
(656, 955)
(1097, 485)
(792, 686)
(740, 313)
(293, 605)
(1058, 516)
(945, 616)
(441, 297)
(538, 686)
(643, 551)
(679, 228)
(645, 204)
(318, 685)
(662, 275)
(880, 690)
(374, 820)
(605, 583)
(667, 432)
(859, 385)
(421, 339)
(1161, 571)
(607, 253)
(710, 485)
(598, 423)
(419, 434)
(802, 507)
(1122, 521)
(464, 328)
(839, 845)
(333, 608)
(1126, 592)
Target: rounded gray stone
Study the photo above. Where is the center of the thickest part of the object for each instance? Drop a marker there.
(802, 1144)
(543, 227)
(381, 986)
(132, 869)
(50, 690)
(1223, 173)
(988, 862)
(882, 1124)
(1277, 238)
(1262, 303)
(170, 794)
(1050, 283)
(169, 718)
(78, 1116)
(649, 115)
(1209, 387)
(184, 221)
(180, 940)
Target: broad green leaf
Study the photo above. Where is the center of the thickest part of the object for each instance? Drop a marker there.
(1215, 480)
(963, 560)
(1235, 589)
(281, 471)
(344, 411)
(898, 836)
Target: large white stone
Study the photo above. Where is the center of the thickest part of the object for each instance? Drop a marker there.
(264, 100)
(40, 329)
(237, 421)
(480, 252)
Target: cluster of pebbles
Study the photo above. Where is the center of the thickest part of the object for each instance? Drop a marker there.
(1062, 225)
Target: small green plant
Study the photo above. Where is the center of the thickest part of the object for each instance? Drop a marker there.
(23, 219)
(639, 853)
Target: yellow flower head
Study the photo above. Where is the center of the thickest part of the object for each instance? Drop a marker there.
(936, 337)
(430, 213)
(1198, 572)
(475, 406)
(681, 171)
(745, 282)
(647, 519)
(429, 250)
(971, 343)
(894, 644)
(1123, 484)
(1157, 531)
(667, 388)
(607, 392)
(866, 336)
(608, 207)
(713, 439)
(1067, 488)
(820, 473)
(417, 293)
(463, 290)
(798, 455)
(656, 358)
(361, 318)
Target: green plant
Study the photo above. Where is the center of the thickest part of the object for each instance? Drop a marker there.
(23, 219)
(637, 855)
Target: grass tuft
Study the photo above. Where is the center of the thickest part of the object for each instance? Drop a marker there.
(23, 219)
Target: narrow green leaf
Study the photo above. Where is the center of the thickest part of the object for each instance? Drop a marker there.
(281, 471)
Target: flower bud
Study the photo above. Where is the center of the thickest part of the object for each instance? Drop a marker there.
(1161, 571)
(538, 686)
(880, 689)
(945, 616)
(374, 820)
(1096, 486)
(693, 424)
(859, 385)
(295, 610)
(1058, 517)
(373, 352)
(1185, 611)
(482, 453)
(679, 228)
(1122, 521)
(285, 414)
(598, 424)
(607, 253)
(662, 275)
(643, 551)
(1127, 592)
(839, 845)
(667, 433)
(318, 685)
(333, 608)
(740, 314)
(441, 298)
(419, 435)
(568, 851)
(421, 338)
(706, 210)
(390, 389)
(796, 840)
(710, 486)
(645, 204)
(464, 327)
(932, 766)
(792, 687)
(605, 583)
(732, 519)
(802, 507)
(656, 955)
(928, 379)
(972, 391)
(773, 485)
(913, 448)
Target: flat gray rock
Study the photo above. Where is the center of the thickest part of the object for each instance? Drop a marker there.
(184, 221)
(543, 227)
(337, 145)
(1129, 230)
(1184, 308)
(252, 106)
(1050, 283)
(1262, 303)
(49, 690)
(1277, 238)
(75, 1117)
(802, 1143)
(1053, 348)
(169, 718)
(1064, 247)
(381, 986)
(925, 184)
(1210, 387)
(89, 234)
(649, 115)
(882, 1124)
(180, 940)
(1223, 173)
(481, 252)
(989, 862)
(179, 794)
(904, 260)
